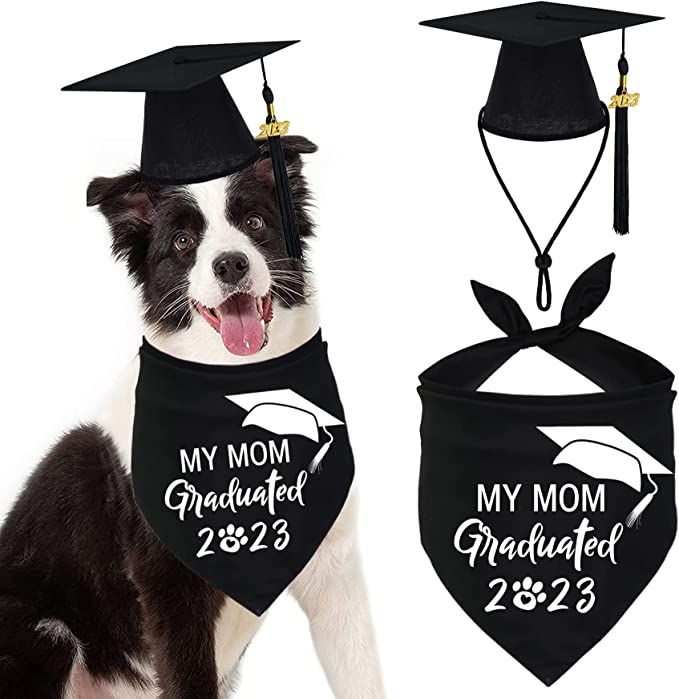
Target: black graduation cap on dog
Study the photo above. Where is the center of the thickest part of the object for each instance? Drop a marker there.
(543, 90)
(193, 130)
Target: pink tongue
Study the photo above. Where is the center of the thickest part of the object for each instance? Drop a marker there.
(240, 327)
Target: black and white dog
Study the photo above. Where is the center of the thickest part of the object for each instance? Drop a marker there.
(81, 613)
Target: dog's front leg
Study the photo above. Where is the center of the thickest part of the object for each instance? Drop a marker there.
(179, 611)
(332, 592)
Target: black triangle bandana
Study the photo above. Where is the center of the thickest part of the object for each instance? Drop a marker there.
(546, 516)
(241, 471)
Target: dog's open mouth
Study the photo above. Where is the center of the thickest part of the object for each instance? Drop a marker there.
(241, 321)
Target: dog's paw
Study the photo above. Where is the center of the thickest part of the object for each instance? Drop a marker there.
(528, 594)
(232, 538)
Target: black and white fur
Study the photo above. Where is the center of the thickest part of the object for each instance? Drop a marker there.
(91, 604)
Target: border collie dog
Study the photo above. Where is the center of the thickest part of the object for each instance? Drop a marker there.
(84, 615)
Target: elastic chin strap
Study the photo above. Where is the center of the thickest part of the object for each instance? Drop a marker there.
(543, 260)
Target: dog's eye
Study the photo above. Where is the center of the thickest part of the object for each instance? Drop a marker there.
(254, 222)
(183, 242)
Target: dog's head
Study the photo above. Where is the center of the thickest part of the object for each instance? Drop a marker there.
(213, 252)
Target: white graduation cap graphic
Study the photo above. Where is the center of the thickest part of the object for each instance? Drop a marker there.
(603, 452)
(283, 411)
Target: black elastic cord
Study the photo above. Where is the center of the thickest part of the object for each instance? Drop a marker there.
(543, 261)
(544, 285)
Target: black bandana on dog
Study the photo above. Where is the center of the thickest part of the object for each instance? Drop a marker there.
(241, 471)
(546, 516)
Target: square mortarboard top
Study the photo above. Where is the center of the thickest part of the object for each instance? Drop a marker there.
(543, 87)
(539, 23)
(193, 130)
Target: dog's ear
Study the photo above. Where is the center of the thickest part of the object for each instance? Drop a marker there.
(127, 204)
(124, 195)
(294, 147)
(297, 145)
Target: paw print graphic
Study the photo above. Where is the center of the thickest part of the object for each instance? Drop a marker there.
(232, 538)
(528, 594)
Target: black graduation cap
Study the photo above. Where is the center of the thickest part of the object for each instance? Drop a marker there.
(193, 130)
(543, 90)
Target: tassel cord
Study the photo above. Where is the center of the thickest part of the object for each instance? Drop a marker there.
(286, 207)
(621, 162)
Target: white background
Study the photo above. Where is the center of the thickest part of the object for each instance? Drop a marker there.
(409, 211)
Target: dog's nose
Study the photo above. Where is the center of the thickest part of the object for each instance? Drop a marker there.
(231, 267)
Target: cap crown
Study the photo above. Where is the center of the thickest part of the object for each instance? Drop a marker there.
(543, 94)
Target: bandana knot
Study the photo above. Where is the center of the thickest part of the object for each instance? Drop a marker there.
(584, 297)
(544, 337)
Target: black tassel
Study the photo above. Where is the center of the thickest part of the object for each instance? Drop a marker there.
(273, 130)
(621, 171)
(621, 101)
